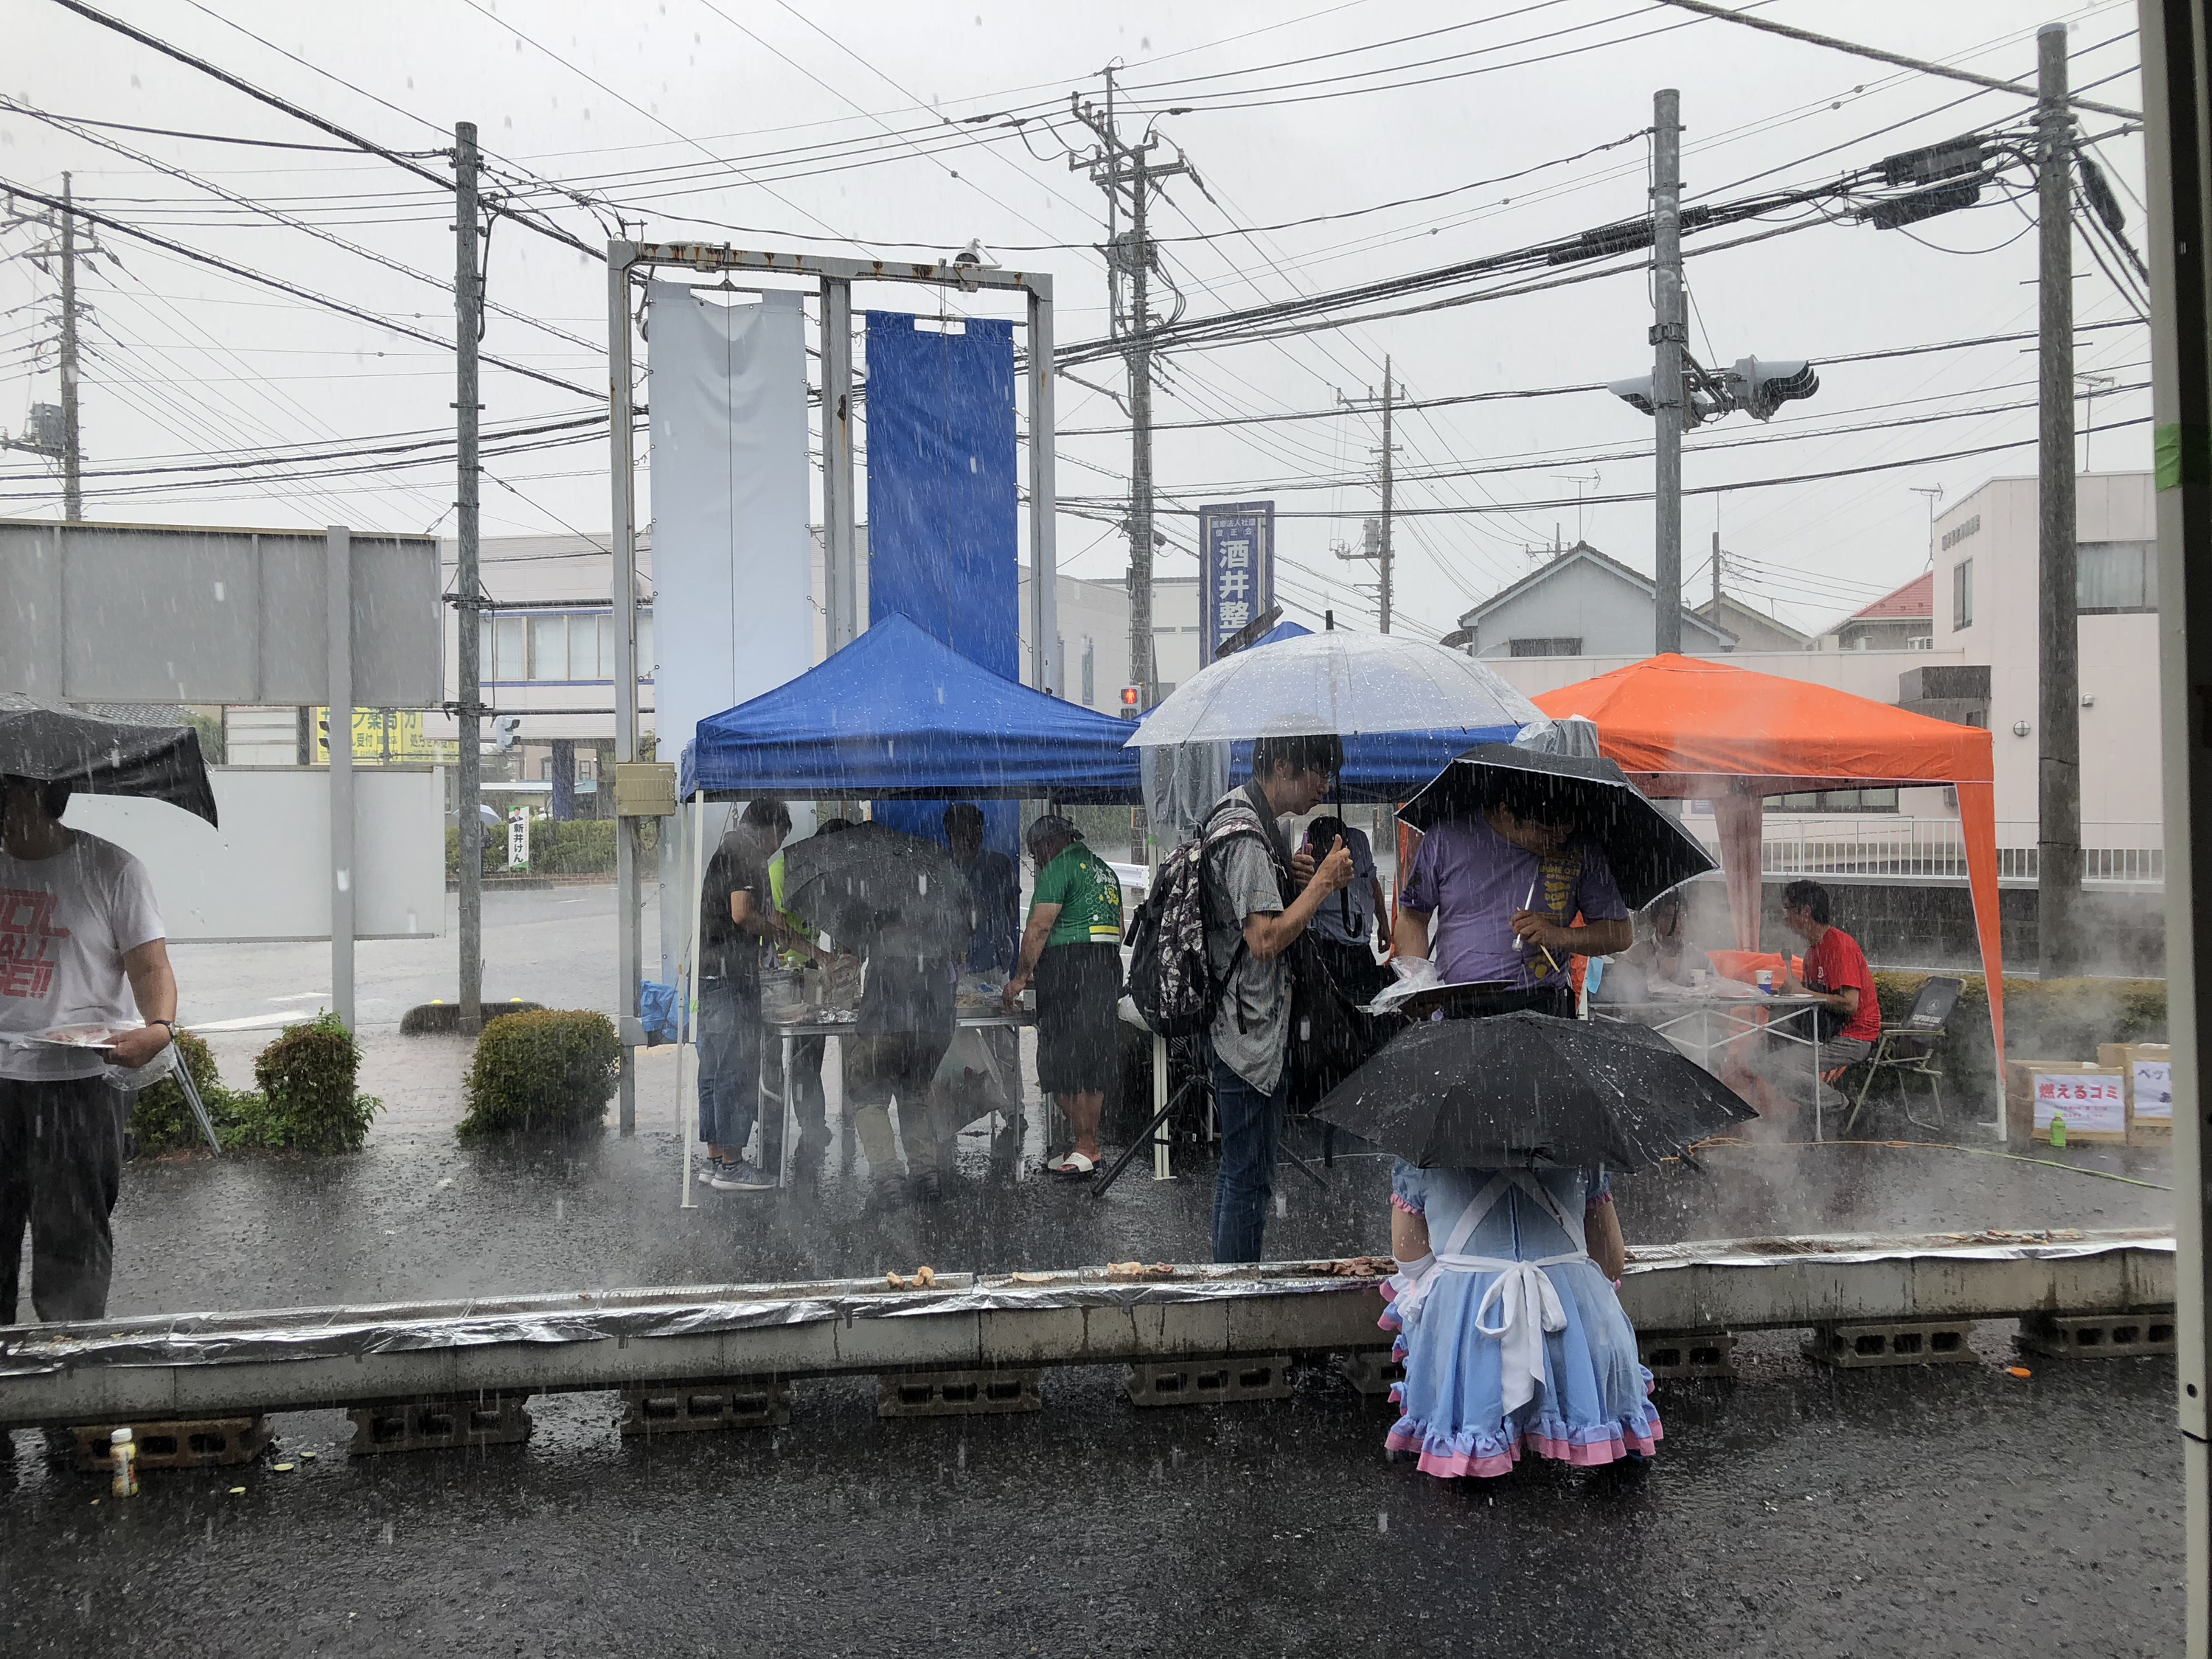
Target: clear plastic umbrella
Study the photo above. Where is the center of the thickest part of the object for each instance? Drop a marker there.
(1347, 684)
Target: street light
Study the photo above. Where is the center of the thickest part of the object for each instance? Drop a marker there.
(1755, 386)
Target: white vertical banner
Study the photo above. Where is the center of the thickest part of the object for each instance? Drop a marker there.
(732, 616)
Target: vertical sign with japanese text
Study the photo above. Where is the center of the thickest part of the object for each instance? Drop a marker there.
(1236, 568)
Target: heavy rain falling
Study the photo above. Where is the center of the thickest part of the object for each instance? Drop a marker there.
(1097, 833)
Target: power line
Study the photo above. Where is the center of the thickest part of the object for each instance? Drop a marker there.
(283, 287)
(1459, 509)
(398, 158)
(1988, 83)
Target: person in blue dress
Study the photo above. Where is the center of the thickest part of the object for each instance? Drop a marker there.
(1508, 1323)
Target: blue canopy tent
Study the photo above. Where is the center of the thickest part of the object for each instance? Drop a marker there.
(1381, 766)
(898, 715)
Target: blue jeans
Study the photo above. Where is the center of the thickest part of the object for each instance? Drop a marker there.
(1250, 1124)
(729, 1062)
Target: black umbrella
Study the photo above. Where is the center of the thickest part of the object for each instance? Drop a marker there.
(1526, 1088)
(1648, 852)
(56, 744)
(855, 885)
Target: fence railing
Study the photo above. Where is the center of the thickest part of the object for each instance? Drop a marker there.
(1933, 847)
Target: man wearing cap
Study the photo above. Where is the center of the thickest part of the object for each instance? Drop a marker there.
(1072, 949)
(81, 944)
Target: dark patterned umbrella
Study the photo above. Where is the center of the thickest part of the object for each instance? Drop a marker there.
(56, 744)
(1526, 1088)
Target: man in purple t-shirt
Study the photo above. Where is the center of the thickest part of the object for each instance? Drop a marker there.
(1503, 892)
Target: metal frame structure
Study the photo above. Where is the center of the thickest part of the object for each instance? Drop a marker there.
(835, 277)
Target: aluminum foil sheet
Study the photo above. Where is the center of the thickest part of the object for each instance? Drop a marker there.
(326, 1333)
(696, 1310)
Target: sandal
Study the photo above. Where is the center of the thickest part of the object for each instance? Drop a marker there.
(1073, 1167)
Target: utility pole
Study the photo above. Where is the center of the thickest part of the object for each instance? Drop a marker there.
(1717, 579)
(1382, 552)
(54, 431)
(1115, 166)
(468, 587)
(2059, 839)
(1377, 545)
(1668, 337)
(72, 445)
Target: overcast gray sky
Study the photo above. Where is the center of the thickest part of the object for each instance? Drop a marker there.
(800, 125)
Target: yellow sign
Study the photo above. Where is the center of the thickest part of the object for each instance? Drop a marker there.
(387, 736)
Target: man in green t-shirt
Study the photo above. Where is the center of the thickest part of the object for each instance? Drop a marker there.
(1073, 950)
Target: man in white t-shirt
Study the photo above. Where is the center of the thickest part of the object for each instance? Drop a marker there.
(81, 944)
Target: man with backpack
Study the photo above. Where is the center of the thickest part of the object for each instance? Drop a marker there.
(1256, 899)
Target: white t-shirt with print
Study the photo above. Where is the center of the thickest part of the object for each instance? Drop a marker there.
(64, 924)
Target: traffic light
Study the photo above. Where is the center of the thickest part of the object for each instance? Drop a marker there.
(1756, 387)
(506, 731)
(1759, 388)
(1133, 698)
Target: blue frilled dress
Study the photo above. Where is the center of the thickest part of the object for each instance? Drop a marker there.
(1511, 1336)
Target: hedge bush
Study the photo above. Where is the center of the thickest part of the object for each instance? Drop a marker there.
(579, 847)
(307, 1101)
(160, 1121)
(2045, 1019)
(542, 1073)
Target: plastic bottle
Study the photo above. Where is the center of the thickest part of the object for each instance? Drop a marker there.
(123, 1450)
(2057, 1130)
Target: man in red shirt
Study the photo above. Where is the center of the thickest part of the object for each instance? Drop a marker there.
(1836, 972)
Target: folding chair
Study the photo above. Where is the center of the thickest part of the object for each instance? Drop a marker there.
(1909, 1048)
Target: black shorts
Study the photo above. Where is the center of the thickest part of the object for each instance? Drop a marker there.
(1079, 987)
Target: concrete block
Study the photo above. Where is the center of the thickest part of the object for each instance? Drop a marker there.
(729, 1402)
(197, 1443)
(1858, 1347)
(487, 1419)
(1209, 1382)
(958, 1394)
(1673, 1356)
(2097, 1336)
(1369, 1371)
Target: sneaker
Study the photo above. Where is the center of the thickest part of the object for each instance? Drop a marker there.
(927, 1189)
(742, 1177)
(708, 1166)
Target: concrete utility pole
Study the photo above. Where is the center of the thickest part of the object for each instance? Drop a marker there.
(1668, 337)
(1717, 579)
(72, 445)
(1375, 544)
(2058, 840)
(1115, 166)
(468, 587)
(1382, 552)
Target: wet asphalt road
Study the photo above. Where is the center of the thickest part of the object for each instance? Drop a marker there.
(1947, 1510)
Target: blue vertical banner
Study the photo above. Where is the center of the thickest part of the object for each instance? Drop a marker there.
(1237, 567)
(943, 513)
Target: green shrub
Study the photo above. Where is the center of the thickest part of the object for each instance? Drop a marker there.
(2045, 1019)
(307, 1102)
(160, 1121)
(542, 1073)
(579, 847)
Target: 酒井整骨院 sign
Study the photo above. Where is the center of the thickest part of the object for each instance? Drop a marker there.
(1237, 558)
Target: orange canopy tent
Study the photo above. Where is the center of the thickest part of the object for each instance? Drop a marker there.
(1686, 727)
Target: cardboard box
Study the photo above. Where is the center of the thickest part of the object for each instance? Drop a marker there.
(2092, 1098)
(2148, 1068)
